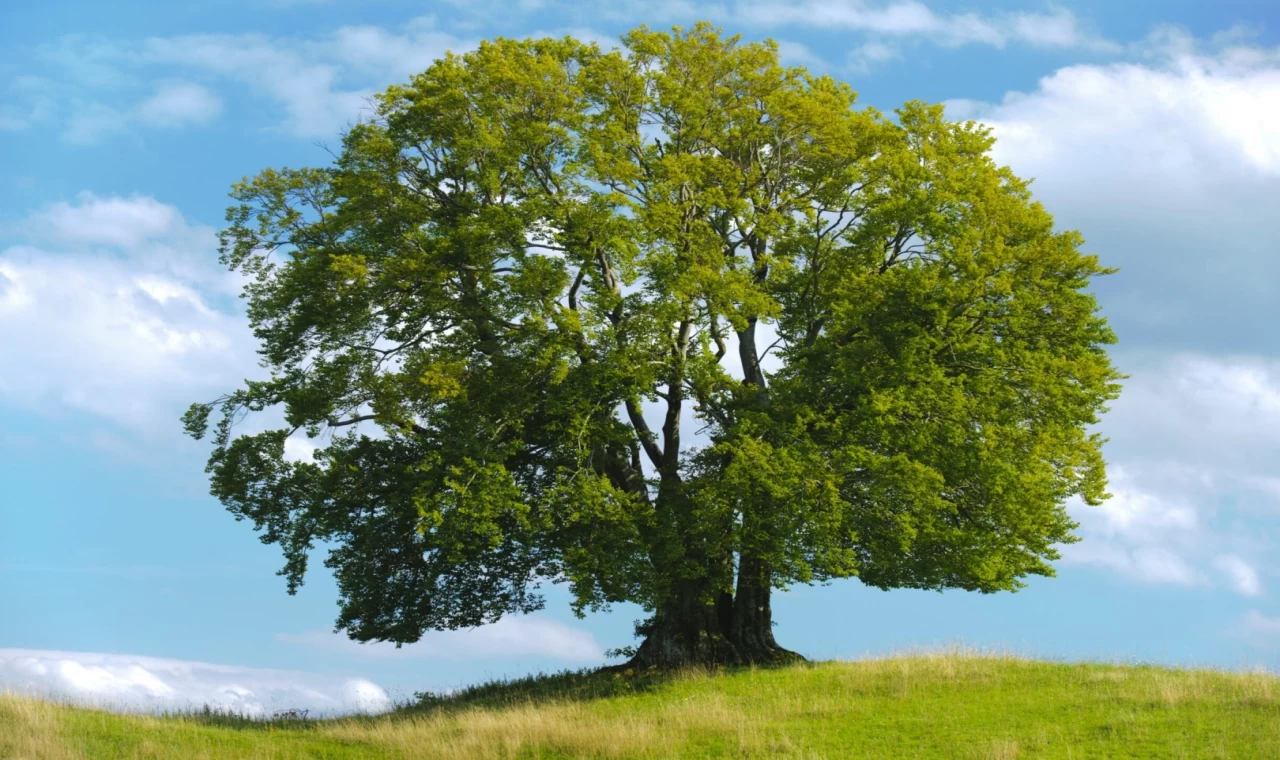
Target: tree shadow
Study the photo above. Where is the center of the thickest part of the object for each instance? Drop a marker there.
(584, 685)
(567, 686)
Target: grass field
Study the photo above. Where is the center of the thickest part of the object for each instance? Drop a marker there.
(948, 705)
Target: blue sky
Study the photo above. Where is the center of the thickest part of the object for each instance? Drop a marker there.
(1152, 127)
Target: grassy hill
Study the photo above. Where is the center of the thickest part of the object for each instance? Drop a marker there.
(952, 705)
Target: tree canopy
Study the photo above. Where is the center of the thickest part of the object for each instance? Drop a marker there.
(671, 324)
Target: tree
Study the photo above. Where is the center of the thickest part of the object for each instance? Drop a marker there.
(670, 324)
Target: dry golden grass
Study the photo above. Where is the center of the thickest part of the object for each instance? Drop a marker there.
(940, 704)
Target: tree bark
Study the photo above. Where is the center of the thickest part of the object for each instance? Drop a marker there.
(734, 629)
(685, 633)
(752, 629)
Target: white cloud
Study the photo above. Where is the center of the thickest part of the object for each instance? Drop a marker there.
(1146, 564)
(1179, 155)
(1242, 576)
(177, 104)
(861, 58)
(1169, 167)
(114, 312)
(908, 18)
(389, 55)
(298, 449)
(797, 54)
(323, 84)
(1222, 412)
(1193, 439)
(1134, 513)
(511, 636)
(137, 683)
(1257, 624)
(111, 221)
(28, 105)
(310, 90)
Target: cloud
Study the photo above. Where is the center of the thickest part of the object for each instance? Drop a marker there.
(1222, 412)
(112, 221)
(1146, 564)
(178, 104)
(90, 122)
(1058, 28)
(323, 84)
(114, 306)
(1256, 624)
(30, 103)
(152, 684)
(1170, 168)
(315, 102)
(861, 58)
(1242, 576)
(298, 449)
(511, 636)
(1133, 512)
(797, 54)
(1192, 440)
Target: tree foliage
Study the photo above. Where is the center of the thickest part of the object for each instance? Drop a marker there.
(671, 324)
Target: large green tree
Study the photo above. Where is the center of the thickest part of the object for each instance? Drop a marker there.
(670, 324)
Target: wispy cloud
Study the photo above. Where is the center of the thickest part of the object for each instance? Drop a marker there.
(1242, 576)
(177, 104)
(908, 18)
(901, 20)
(1147, 564)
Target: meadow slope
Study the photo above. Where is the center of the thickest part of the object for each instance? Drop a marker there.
(950, 705)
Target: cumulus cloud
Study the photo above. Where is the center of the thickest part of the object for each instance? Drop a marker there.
(111, 220)
(178, 104)
(113, 306)
(1222, 412)
(298, 448)
(1191, 440)
(1132, 512)
(1169, 166)
(511, 636)
(153, 684)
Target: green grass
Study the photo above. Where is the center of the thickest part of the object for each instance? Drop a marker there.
(947, 705)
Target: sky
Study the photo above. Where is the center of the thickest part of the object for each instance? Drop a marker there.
(1151, 127)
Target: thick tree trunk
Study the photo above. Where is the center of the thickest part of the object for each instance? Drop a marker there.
(687, 632)
(734, 630)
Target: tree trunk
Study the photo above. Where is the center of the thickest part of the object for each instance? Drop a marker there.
(752, 629)
(687, 632)
(734, 630)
